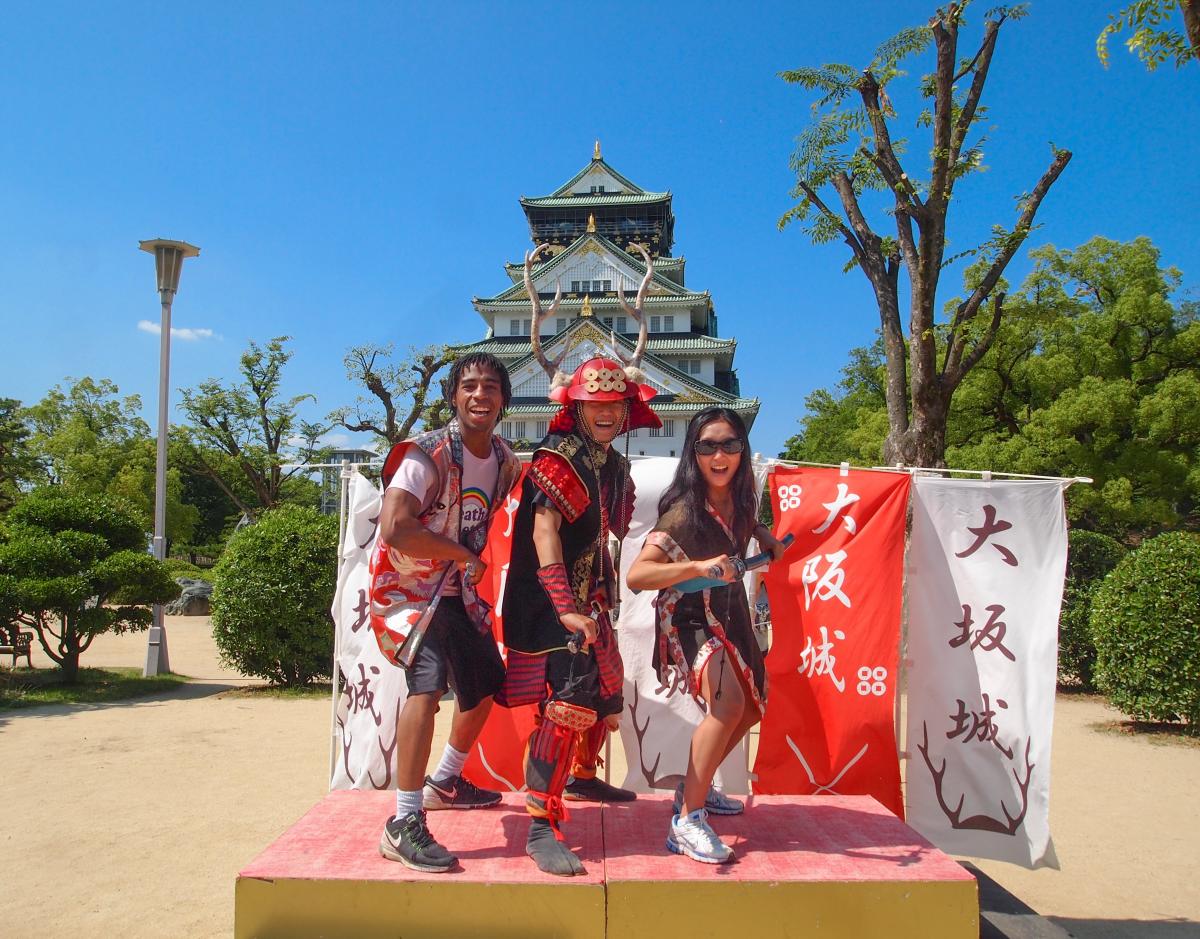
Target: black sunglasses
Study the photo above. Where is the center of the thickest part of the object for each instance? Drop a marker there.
(709, 447)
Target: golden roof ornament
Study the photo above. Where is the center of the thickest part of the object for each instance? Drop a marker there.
(586, 309)
(596, 150)
(591, 224)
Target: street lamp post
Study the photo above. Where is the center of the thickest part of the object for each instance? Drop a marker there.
(168, 262)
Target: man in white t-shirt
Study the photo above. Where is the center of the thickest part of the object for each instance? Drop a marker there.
(441, 489)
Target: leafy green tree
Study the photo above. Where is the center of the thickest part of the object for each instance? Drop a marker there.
(398, 391)
(217, 513)
(1095, 371)
(134, 482)
(848, 154)
(248, 436)
(89, 438)
(1097, 374)
(18, 464)
(271, 596)
(1151, 39)
(73, 567)
(81, 434)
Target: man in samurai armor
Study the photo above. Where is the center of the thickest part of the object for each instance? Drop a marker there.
(441, 489)
(562, 584)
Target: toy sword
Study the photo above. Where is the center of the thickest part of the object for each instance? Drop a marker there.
(406, 655)
(740, 566)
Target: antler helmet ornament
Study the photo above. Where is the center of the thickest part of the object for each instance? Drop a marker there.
(599, 378)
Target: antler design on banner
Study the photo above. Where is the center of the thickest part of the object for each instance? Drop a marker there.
(556, 377)
(637, 312)
(809, 773)
(347, 744)
(387, 755)
(662, 782)
(978, 822)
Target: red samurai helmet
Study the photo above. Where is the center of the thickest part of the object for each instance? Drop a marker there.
(599, 378)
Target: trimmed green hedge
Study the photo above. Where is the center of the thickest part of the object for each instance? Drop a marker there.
(1146, 624)
(1090, 557)
(272, 590)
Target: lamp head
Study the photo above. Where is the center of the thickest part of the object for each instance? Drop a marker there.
(168, 262)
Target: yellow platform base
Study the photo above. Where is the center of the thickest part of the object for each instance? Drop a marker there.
(821, 867)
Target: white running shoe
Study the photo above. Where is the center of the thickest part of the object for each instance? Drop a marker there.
(715, 803)
(691, 835)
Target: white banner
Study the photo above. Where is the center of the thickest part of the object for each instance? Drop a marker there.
(658, 720)
(365, 721)
(984, 582)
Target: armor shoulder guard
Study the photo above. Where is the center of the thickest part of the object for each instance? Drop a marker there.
(554, 474)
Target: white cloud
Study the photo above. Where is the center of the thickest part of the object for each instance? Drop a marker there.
(186, 333)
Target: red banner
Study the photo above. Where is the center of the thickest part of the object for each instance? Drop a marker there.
(497, 761)
(835, 611)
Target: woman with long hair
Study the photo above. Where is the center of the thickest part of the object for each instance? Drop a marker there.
(707, 517)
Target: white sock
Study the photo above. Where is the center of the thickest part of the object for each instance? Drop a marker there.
(407, 802)
(451, 765)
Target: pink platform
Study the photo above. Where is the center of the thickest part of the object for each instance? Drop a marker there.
(840, 866)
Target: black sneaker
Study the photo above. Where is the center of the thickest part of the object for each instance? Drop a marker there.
(408, 841)
(455, 792)
(595, 790)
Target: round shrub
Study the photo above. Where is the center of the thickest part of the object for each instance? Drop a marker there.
(271, 594)
(1146, 624)
(1090, 557)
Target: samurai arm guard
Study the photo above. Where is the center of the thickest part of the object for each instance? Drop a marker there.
(554, 475)
(554, 580)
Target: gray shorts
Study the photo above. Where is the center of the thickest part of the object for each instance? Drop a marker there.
(455, 654)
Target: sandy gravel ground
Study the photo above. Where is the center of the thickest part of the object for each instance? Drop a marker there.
(133, 819)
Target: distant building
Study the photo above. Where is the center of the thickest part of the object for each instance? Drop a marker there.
(592, 223)
(331, 476)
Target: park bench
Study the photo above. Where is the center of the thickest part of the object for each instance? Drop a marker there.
(16, 643)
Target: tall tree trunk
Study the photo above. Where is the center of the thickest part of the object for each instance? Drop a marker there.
(1191, 22)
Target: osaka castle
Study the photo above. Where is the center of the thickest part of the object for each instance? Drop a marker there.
(597, 224)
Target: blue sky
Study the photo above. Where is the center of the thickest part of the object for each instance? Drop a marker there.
(351, 171)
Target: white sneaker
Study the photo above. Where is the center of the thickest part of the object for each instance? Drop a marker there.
(691, 835)
(715, 803)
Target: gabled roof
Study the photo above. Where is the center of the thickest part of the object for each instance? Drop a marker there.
(669, 287)
(516, 269)
(597, 162)
(657, 344)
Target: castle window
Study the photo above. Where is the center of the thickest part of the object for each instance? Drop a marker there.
(669, 324)
(518, 430)
(514, 327)
(542, 427)
(574, 286)
(526, 327)
(656, 324)
(560, 325)
(622, 324)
